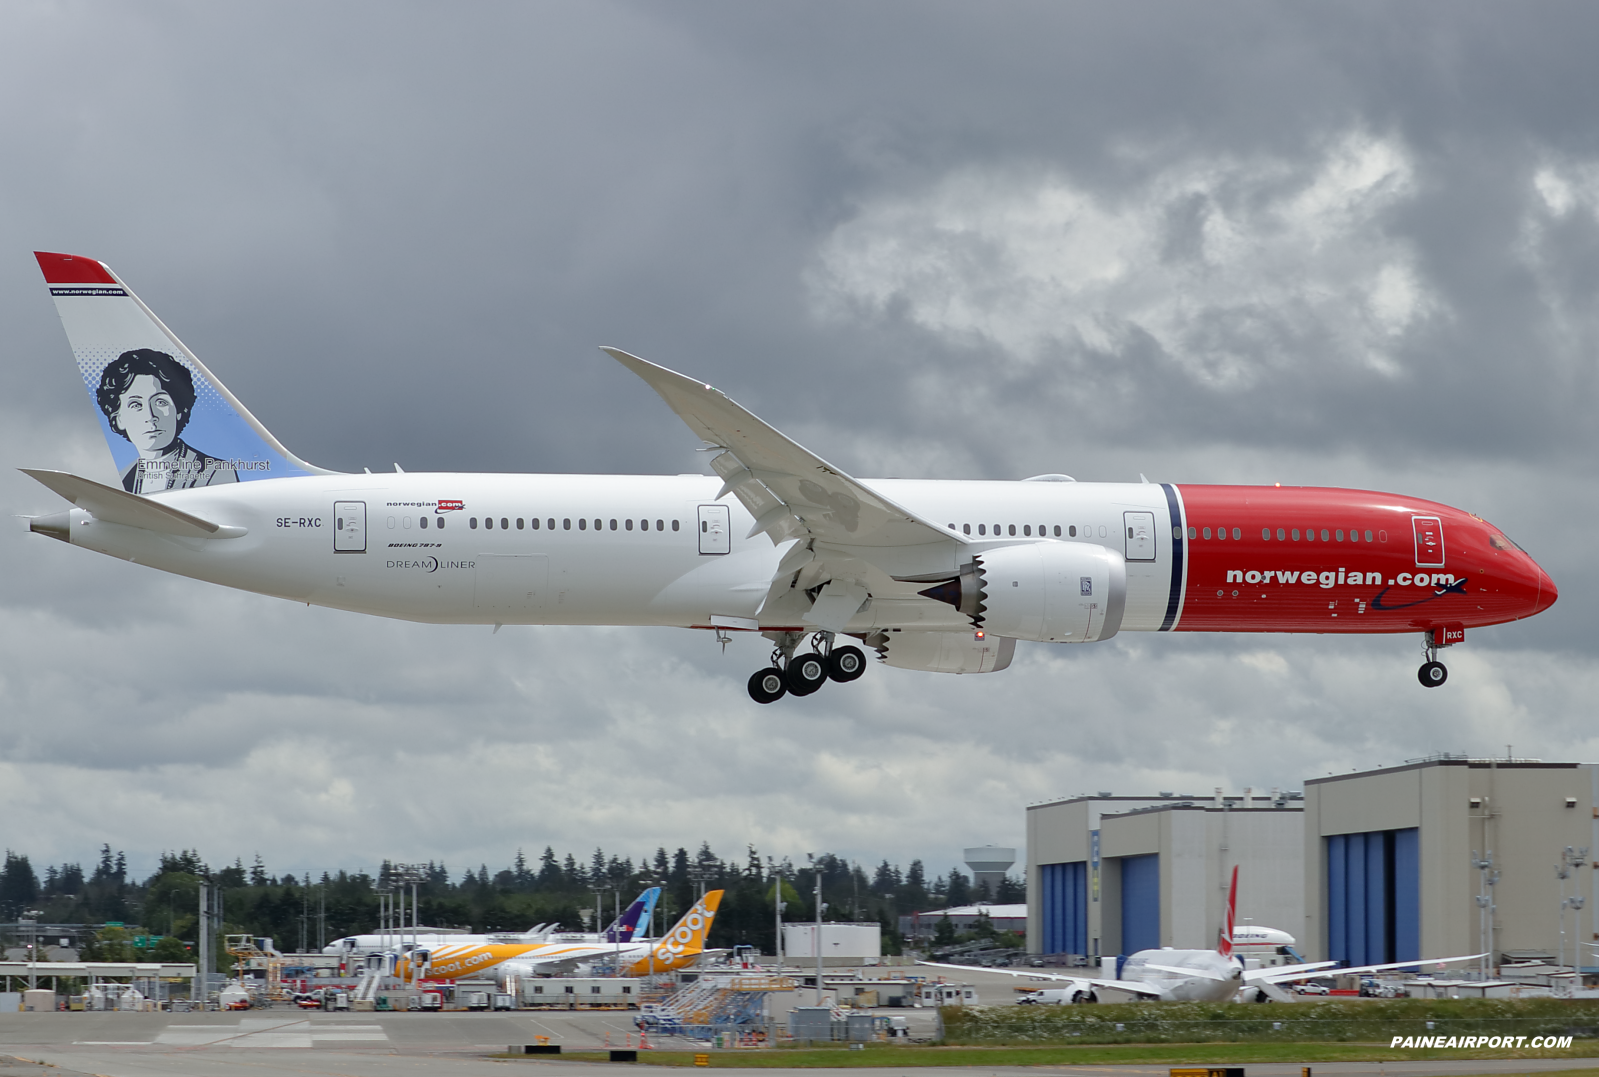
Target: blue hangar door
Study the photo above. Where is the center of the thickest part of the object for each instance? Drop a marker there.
(1140, 903)
(1063, 904)
(1374, 896)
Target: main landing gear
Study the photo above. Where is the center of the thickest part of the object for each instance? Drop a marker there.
(800, 675)
(1433, 672)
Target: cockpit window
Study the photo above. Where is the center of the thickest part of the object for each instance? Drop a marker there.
(1500, 542)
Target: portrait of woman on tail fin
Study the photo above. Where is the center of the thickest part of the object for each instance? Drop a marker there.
(147, 397)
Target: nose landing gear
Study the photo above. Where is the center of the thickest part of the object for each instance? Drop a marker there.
(800, 675)
(1433, 672)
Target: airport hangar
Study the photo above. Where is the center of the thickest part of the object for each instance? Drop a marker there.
(1367, 867)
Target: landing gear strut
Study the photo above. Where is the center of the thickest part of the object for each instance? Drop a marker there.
(800, 675)
(1432, 672)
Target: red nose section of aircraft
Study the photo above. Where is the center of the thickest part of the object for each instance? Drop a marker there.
(1275, 559)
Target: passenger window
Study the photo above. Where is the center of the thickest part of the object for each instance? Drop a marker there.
(1072, 530)
(1265, 533)
(1057, 530)
(705, 528)
(982, 529)
(966, 529)
(583, 523)
(391, 523)
(472, 523)
(535, 522)
(1296, 534)
(674, 524)
(439, 523)
(1101, 530)
(1281, 535)
(1193, 532)
(1382, 536)
(629, 524)
(952, 527)
(519, 523)
(1324, 534)
(1237, 534)
(1310, 534)
(1012, 529)
(1207, 532)
(661, 526)
(505, 524)
(1339, 534)
(613, 524)
(423, 523)
(1027, 529)
(596, 525)
(1368, 536)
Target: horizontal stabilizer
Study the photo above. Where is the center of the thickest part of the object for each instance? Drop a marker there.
(120, 507)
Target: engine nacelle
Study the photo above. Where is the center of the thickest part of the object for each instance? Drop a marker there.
(1049, 592)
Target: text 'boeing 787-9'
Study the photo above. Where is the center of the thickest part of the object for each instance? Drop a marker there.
(933, 575)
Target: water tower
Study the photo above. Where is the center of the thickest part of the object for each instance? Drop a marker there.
(989, 865)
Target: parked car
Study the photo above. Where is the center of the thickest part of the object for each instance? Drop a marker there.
(1312, 989)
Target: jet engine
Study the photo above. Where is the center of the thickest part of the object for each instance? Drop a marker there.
(1049, 592)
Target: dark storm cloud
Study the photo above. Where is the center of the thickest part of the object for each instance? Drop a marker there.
(1358, 245)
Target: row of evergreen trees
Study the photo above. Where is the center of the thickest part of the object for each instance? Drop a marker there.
(301, 911)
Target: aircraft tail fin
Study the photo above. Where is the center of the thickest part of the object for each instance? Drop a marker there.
(683, 944)
(626, 926)
(1224, 945)
(170, 424)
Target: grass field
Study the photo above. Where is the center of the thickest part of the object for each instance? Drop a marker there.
(1330, 1021)
(876, 1056)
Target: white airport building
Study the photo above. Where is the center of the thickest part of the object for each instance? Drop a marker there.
(1438, 857)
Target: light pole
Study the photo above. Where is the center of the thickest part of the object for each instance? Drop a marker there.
(778, 905)
(1570, 860)
(30, 917)
(1487, 877)
(816, 932)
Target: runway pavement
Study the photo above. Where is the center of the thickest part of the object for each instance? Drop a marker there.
(288, 1043)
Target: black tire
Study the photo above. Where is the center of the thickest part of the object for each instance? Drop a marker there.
(1432, 674)
(768, 685)
(845, 664)
(805, 674)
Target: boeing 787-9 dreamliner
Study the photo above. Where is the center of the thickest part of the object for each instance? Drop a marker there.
(930, 574)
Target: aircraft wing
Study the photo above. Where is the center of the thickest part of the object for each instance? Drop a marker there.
(1137, 987)
(120, 507)
(791, 492)
(1282, 973)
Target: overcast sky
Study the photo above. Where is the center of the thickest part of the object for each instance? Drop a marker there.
(1346, 244)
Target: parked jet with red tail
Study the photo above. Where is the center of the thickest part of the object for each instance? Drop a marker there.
(934, 575)
(1219, 975)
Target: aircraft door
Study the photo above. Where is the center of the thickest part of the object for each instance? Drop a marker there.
(714, 529)
(1429, 541)
(349, 521)
(1140, 531)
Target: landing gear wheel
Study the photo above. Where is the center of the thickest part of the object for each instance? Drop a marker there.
(767, 685)
(845, 664)
(1432, 674)
(805, 674)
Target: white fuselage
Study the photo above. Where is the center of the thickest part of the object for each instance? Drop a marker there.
(1215, 978)
(598, 564)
